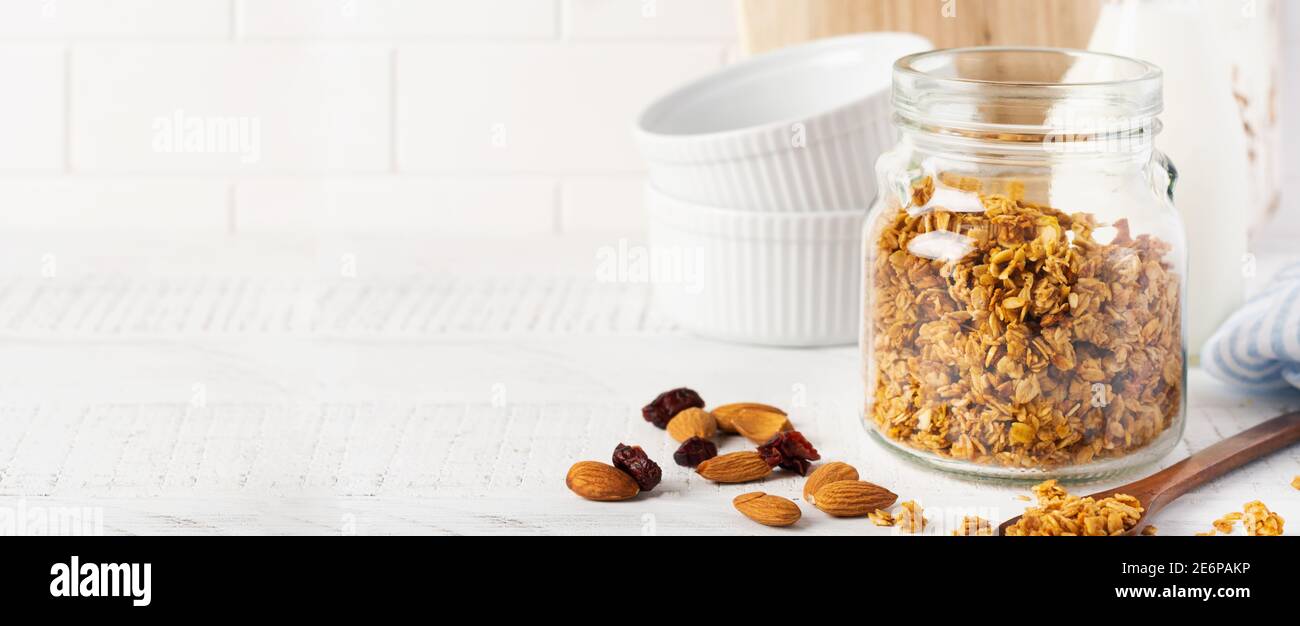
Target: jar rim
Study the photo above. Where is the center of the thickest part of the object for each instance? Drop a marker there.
(1142, 70)
(1025, 89)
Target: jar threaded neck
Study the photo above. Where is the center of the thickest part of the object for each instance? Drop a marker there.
(1037, 97)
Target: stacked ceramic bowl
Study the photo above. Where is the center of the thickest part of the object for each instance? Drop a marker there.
(760, 178)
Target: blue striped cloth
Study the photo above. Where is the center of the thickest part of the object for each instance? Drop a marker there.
(1259, 346)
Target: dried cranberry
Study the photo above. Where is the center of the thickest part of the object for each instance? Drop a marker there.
(669, 404)
(791, 451)
(694, 451)
(633, 461)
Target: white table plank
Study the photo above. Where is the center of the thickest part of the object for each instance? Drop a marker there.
(248, 396)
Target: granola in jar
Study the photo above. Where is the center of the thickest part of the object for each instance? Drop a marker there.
(1024, 267)
(1032, 344)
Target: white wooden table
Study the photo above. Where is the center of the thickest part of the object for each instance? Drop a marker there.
(256, 387)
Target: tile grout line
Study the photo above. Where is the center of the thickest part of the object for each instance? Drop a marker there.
(67, 109)
(393, 152)
(557, 211)
(560, 35)
(235, 14)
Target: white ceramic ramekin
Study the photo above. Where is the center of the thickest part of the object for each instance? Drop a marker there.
(783, 279)
(795, 130)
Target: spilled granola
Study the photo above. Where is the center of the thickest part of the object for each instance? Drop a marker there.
(910, 519)
(1015, 334)
(973, 527)
(1060, 514)
(1225, 524)
(1254, 517)
(1261, 522)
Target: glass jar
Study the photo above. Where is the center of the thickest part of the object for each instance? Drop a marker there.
(1025, 267)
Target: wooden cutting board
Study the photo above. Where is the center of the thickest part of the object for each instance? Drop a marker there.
(770, 24)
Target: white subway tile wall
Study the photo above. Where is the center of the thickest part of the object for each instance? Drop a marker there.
(387, 19)
(231, 108)
(650, 19)
(513, 205)
(532, 108)
(119, 204)
(428, 117)
(494, 117)
(115, 19)
(32, 133)
(608, 204)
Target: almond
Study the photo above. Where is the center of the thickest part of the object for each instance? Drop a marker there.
(737, 467)
(726, 414)
(852, 498)
(760, 425)
(766, 509)
(599, 481)
(692, 423)
(828, 473)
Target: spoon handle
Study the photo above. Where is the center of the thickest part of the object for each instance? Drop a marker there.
(1219, 459)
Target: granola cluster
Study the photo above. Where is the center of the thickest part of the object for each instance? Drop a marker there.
(1255, 517)
(910, 517)
(1060, 514)
(972, 526)
(1008, 333)
(1261, 522)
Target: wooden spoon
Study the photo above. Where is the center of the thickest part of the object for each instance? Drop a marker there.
(1156, 491)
